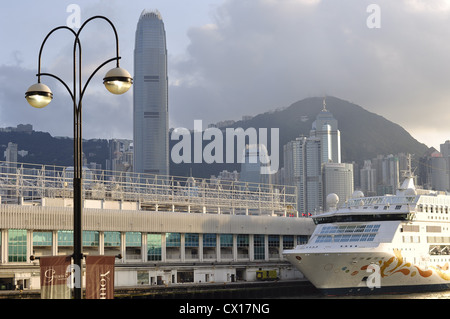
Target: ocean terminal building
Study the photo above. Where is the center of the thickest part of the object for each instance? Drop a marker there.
(168, 230)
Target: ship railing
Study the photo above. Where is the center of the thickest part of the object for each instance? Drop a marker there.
(381, 200)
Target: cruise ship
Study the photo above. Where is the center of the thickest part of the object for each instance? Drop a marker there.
(379, 245)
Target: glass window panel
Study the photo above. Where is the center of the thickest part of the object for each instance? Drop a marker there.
(302, 239)
(42, 238)
(259, 247)
(288, 241)
(274, 240)
(65, 237)
(90, 238)
(191, 240)
(242, 240)
(17, 245)
(173, 240)
(154, 247)
(226, 240)
(112, 238)
(133, 239)
(209, 240)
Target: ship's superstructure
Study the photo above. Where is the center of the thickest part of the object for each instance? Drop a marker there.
(388, 244)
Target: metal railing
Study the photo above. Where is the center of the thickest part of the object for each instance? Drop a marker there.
(20, 182)
(381, 200)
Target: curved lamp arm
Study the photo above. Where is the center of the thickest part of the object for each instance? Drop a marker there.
(42, 47)
(112, 26)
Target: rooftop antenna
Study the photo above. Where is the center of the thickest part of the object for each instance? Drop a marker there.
(324, 104)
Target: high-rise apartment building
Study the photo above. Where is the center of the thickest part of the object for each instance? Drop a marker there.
(150, 94)
(445, 151)
(368, 179)
(11, 154)
(294, 169)
(338, 179)
(255, 158)
(302, 168)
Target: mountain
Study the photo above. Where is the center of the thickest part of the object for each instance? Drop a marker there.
(364, 135)
(43, 148)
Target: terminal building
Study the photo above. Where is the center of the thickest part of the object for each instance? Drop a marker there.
(168, 230)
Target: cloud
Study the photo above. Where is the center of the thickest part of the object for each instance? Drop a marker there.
(258, 55)
(253, 56)
(104, 115)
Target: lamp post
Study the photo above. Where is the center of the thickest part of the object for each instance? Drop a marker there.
(117, 81)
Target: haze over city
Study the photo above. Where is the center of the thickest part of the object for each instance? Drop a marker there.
(232, 58)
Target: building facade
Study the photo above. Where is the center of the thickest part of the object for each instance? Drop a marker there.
(255, 162)
(368, 179)
(168, 231)
(338, 179)
(150, 96)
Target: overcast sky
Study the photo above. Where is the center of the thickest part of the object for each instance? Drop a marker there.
(229, 58)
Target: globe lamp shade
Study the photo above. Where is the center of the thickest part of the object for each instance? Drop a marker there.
(39, 95)
(117, 81)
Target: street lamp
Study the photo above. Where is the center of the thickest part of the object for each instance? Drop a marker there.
(116, 81)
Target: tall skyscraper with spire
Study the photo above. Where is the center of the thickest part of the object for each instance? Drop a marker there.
(150, 96)
(325, 127)
(313, 164)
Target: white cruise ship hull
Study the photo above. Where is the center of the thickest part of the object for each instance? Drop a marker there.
(369, 271)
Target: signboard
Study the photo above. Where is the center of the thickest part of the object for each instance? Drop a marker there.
(100, 277)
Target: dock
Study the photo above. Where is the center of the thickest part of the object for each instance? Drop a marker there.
(238, 290)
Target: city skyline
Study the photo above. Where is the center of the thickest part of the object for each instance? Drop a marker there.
(396, 70)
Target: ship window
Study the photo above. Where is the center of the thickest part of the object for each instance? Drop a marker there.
(359, 218)
(353, 238)
(323, 239)
(350, 229)
(434, 229)
(411, 228)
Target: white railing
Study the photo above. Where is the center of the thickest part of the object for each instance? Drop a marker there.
(32, 182)
(381, 200)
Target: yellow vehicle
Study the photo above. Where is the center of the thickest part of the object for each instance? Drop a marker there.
(265, 275)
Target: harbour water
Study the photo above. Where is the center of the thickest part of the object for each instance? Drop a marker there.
(429, 295)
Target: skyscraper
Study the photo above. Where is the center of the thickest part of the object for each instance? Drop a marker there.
(255, 157)
(150, 96)
(338, 179)
(302, 164)
(368, 176)
(313, 164)
(325, 127)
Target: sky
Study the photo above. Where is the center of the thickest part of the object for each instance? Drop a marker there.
(230, 58)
